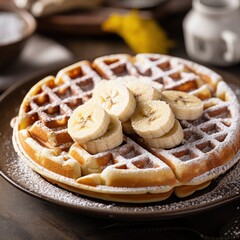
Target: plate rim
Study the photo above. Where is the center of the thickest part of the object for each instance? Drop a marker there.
(123, 215)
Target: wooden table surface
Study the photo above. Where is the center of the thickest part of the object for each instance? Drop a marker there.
(25, 217)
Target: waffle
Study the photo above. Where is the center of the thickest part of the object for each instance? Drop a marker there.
(133, 171)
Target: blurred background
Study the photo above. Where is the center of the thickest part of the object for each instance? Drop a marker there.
(41, 35)
(37, 36)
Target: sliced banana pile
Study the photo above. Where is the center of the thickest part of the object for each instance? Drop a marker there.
(94, 129)
(139, 106)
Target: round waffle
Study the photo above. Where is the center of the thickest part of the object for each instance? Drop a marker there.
(133, 171)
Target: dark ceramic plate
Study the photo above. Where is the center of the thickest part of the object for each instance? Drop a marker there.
(224, 189)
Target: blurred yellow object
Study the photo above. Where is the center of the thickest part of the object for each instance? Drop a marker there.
(142, 35)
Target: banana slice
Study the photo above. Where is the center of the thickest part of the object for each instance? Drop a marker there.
(143, 88)
(152, 120)
(87, 122)
(171, 139)
(184, 105)
(115, 98)
(111, 139)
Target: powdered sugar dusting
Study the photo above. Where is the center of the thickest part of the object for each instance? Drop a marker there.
(225, 187)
